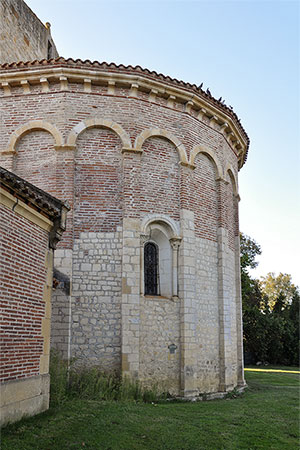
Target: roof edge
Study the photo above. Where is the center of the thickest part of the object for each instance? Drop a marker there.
(135, 70)
(54, 209)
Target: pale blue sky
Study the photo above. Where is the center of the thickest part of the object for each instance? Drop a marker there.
(245, 51)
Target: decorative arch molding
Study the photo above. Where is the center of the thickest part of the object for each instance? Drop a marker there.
(33, 125)
(232, 177)
(159, 132)
(161, 221)
(202, 149)
(164, 233)
(98, 123)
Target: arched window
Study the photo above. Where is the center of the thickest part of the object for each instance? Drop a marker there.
(151, 270)
(160, 242)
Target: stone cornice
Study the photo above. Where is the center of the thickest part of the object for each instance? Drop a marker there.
(18, 206)
(196, 102)
(32, 202)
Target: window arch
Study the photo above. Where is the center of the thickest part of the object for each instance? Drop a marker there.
(151, 269)
(160, 242)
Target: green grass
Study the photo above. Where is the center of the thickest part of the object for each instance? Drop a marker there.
(266, 416)
(272, 379)
(270, 367)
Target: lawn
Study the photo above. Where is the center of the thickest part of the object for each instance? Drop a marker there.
(266, 416)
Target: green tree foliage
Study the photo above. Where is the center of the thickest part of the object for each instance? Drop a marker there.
(278, 286)
(249, 250)
(271, 327)
(251, 292)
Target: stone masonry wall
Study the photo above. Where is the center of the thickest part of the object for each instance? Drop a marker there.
(207, 311)
(61, 314)
(230, 322)
(23, 36)
(160, 328)
(96, 299)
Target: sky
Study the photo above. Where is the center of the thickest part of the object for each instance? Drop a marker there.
(245, 51)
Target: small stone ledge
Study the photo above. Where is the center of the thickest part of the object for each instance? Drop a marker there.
(8, 151)
(210, 396)
(188, 165)
(64, 147)
(157, 298)
(131, 150)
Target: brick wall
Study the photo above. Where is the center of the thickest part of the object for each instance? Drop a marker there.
(35, 150)
(98, 188)
(98, 157)
(160, 178)
(203, 197)
(23, 276)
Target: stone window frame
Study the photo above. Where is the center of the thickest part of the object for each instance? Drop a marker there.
(170, 229)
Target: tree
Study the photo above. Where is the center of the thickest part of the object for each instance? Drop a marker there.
(249, 250)
(270, 312)
(254, 343)
(278, 289)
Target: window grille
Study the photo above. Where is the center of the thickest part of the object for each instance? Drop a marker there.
(151, 269)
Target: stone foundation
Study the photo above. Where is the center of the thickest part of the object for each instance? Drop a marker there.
(25, 397)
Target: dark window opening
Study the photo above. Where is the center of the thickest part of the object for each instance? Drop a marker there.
(151, 269)
(49, 52)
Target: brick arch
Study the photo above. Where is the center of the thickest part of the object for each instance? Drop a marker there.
(204, 194)
(230, 172)
(202, 149)
(232, 207)
(99, 123)
(158, 132)
(34, 125)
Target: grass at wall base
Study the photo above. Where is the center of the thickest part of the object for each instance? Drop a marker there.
(69, 382)
(266, 416)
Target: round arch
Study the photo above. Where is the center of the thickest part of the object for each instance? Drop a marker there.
(164, 233)
(34, 125)
(161, 221)
(202, 149)
(158, 132)
(99, 123)
(230, 172)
